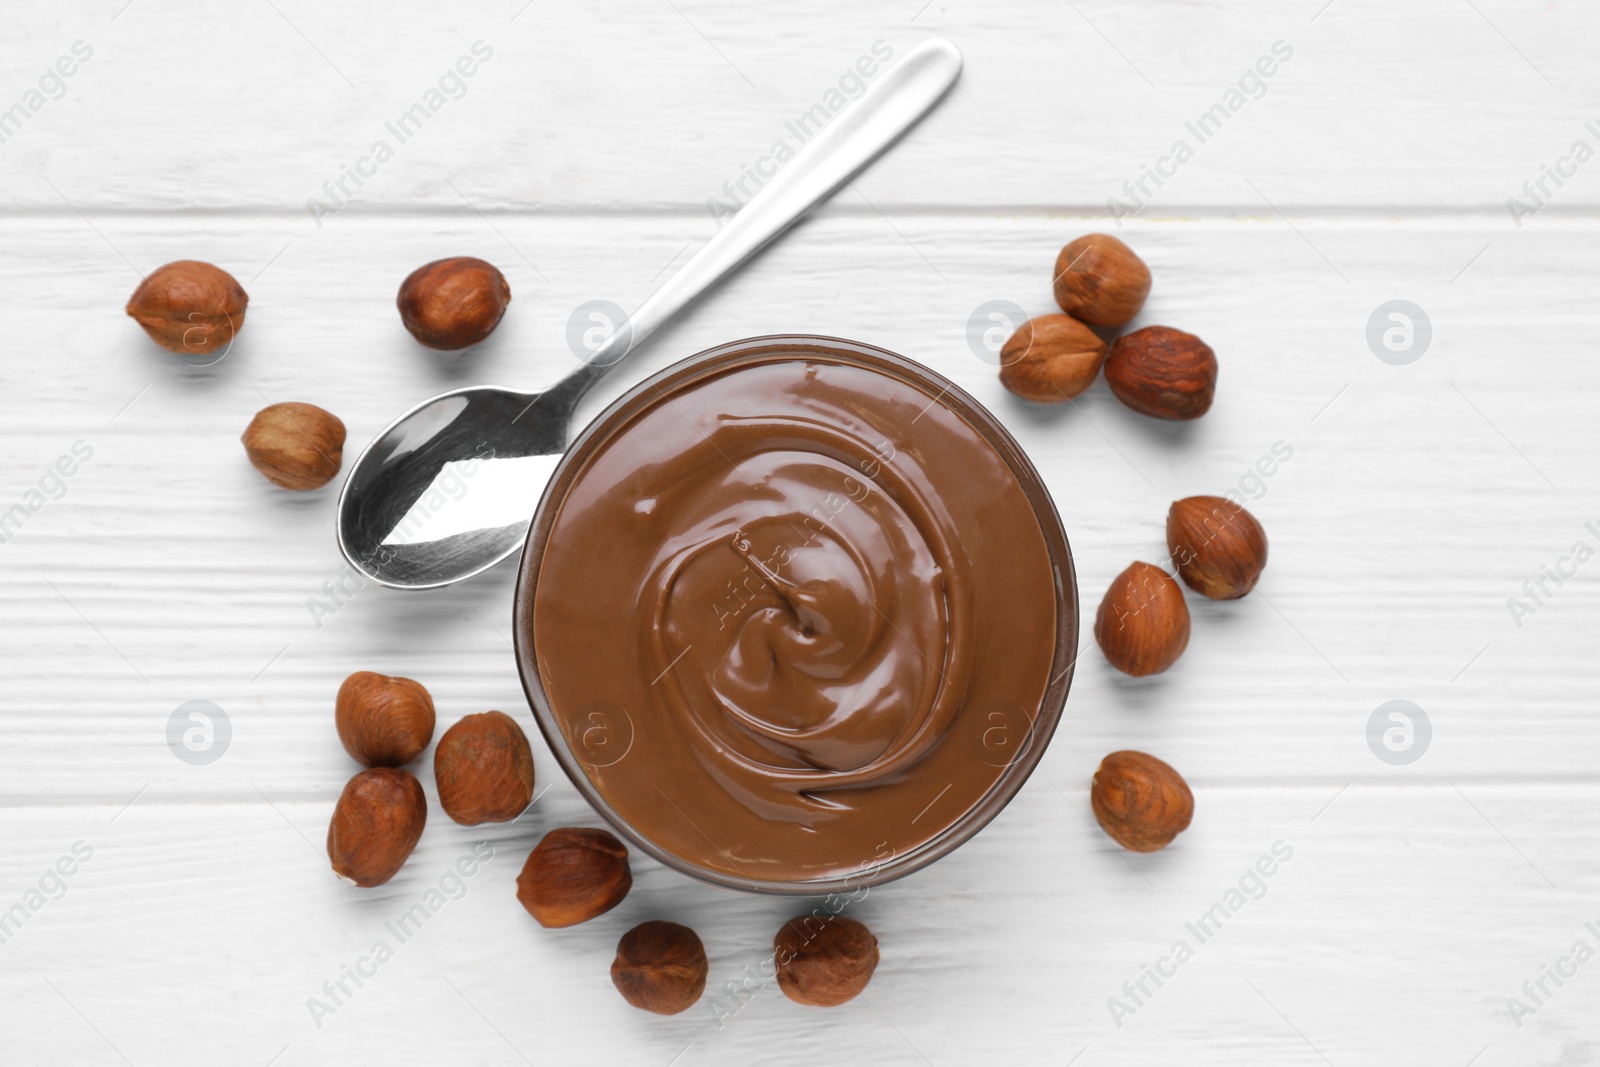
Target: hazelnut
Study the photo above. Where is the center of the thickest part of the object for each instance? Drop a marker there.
(189, 307)
(824, 960)
(1162, 372)
(297, 446)
(572, 875)
(660, 967)
(484, 769)
(1051, 358)
(453, 303)
(1218, 546)
(1100, 280)
(376, 824)
(1141, 803)
(1143, 623)
(383, 721)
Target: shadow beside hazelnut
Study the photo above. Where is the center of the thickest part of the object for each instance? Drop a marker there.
(451, 304)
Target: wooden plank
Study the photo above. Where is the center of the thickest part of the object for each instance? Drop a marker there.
(185, 105)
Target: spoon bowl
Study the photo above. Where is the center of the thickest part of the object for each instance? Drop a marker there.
(447, 490)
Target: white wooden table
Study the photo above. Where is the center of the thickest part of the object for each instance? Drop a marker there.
(199, 918)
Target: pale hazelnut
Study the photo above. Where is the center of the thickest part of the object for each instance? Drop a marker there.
(296, 446)
(1143, 622)
(1100, 280)
(189, 307)
(1140, 802)
(1051, 358)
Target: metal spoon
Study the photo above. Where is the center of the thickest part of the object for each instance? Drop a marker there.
(449, 488)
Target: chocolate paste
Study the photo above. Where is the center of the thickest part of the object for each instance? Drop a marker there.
(794, 619)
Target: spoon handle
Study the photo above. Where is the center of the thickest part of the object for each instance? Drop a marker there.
(828, 160)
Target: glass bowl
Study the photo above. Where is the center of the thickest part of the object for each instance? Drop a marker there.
(1013, 746)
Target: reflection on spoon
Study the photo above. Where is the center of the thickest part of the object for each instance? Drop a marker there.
(474, 494)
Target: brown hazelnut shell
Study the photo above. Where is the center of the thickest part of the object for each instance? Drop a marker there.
(1140, 802)
(1143, 622)
(574, 874)
(1163, 373)
(1051, 358)
(455, 303)
(1219, 547)
(376, 823)
(484, 769)
(295, 445)
(660, 967)
(189, 307)
(824, 960)
(1101, 280)
(383, 721)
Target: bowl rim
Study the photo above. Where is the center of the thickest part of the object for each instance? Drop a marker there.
(750, 351)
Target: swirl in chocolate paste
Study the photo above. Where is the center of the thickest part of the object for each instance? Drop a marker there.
(821, 607)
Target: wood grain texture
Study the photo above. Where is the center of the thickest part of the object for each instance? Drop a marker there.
(647, 105)
(1417, 500)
